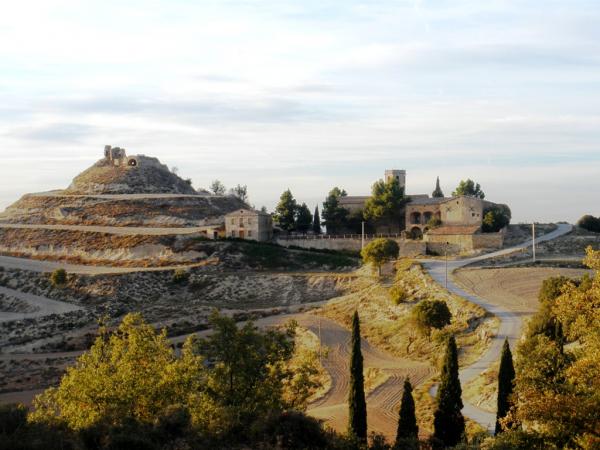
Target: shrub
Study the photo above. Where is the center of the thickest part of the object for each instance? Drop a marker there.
(12, 418)
(434, 222)
(590, 223)
(495, 218)
(397, 294)
(180, 276)
(430, 314)
(58, 278)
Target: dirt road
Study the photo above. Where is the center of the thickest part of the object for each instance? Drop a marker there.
(510, 321)
(42, 306)
(124, 231)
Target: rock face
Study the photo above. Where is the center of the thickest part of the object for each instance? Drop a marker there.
(144, 175)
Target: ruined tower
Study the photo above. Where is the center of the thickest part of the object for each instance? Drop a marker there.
(398, 175)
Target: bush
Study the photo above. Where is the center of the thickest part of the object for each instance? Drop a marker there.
(590, 223)
(495, 218)
(434, 222)
(58, 278)
(12, 418)
(430, 314)
(180, 276)
(397, 294)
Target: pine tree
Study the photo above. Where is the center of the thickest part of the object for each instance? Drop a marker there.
(357, 417)
(438, 191)
(407, 420)
(506, 379)
(285, 212)
(303, 218)
(316, 223)
(448, 421)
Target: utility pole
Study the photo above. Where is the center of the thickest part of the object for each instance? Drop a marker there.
(446, 257)
(362, 238)
(533, 239)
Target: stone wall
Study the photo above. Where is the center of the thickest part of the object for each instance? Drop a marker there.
(407, 247)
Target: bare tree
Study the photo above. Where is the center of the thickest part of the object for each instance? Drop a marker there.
(217, 187)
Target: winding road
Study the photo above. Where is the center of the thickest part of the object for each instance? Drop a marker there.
(510, 323)
(383, 401)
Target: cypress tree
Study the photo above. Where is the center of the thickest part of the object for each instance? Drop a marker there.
(357, 416)
(448, 421)
(407, 420)
(506, 378)
(438, 190)
(316, 223)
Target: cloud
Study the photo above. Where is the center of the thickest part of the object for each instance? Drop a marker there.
(55, 132)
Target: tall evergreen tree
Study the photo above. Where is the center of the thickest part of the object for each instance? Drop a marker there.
(285, 212)
(438, 190)
(316, 223)
(448, 421)
(506, 379)
(303, 218)
(357, 417)
(407, 420)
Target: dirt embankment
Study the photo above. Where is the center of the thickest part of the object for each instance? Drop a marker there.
(125, 211)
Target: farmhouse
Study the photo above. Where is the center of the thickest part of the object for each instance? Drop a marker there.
(249, 224)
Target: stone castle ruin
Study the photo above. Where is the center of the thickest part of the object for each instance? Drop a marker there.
(117, 156)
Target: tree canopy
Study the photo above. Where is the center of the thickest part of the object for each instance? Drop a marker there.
(437, 192)
(217, 188)
(357, 405)
(468, 188)
(240, 192)
(589, 223)
(386, 202)
(285, 211)
(303, 218)
(495, 218)
(428, 314)
(133, 376)
(334, 215)
(316, 223)
(379, 251)
(448, 421)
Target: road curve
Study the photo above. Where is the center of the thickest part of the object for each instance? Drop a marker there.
(510, 323)
(43, 306)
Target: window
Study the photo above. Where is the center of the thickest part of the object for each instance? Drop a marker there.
(249, 220)
(232, 233)
(232, 221)
(249, 233)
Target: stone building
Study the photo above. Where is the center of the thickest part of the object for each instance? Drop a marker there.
(249, 224)
(117, 157)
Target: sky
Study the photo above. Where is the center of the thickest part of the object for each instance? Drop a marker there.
(310, 94)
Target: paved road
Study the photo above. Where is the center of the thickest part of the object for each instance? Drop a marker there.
(510, 323)
(43, 306)
(126, 231)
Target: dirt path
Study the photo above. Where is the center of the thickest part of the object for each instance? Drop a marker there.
(125, 231)
(43, 306)
(510, 321)
(383, 402)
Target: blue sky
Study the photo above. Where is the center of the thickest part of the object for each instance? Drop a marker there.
(309, 95)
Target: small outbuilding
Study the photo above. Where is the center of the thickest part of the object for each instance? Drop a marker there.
(249, 224)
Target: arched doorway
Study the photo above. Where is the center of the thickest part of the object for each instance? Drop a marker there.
(416, 233)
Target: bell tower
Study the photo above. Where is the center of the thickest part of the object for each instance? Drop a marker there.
(398, 175)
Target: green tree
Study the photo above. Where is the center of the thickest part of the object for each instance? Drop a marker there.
(407, 420)
(303, 218)
(316, 223)
(506, 380)
(589, 223)
(430, 314)
(437, 193)
(379, 251)
(495, 218)
(334, 215)
(357, 417)
(448, 421)
(58, 278)
(468, 188)
(386, 203)
(217, 188)
(130, 375)
(240, 192)
(285, 212)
